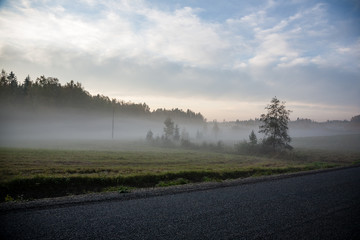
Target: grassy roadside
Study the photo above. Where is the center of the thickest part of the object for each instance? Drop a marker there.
(38, 173)
(41, 187)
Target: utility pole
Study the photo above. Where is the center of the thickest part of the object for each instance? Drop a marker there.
(112, 129)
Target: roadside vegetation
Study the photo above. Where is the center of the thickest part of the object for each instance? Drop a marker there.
(38, 173)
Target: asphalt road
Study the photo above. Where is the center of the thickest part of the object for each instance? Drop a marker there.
(318, 206)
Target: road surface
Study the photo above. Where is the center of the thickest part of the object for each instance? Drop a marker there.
(318, 206)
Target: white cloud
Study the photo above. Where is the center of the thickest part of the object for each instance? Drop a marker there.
(273, 48)
(295, 62)
(343, 50)
(138, 31)
(178, 36)
(140, 48)
(304, 38)
(350, 49)
(253, 19)
(183, 37)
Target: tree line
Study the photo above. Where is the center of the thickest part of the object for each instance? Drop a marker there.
(48, 92)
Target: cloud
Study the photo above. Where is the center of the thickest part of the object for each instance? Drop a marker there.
(183, 37)
(139, 48)
(283, 44)
(273, 48)
(126, 30)
(139, 31)
(253, 19)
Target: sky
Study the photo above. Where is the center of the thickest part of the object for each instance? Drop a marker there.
(225, 59)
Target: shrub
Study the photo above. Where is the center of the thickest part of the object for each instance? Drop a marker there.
(185, 143)
(8, 198)
(124, 189)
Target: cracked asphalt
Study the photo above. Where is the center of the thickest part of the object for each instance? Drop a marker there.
(324, 205)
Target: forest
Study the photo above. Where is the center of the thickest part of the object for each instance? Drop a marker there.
(46, 109)
(47, 92)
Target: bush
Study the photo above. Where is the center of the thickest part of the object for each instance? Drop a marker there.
(124, 189)
(185, 143)
(8, 198)
(249, 148)
(245, 147)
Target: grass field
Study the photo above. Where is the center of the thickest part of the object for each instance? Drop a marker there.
(340, 143)
(27, 173)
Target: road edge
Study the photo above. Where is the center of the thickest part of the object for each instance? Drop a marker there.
(150, 192)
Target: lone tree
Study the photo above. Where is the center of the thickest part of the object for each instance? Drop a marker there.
(275, 125)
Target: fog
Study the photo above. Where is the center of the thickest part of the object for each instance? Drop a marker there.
(71, 124)
(36, 127)
(41, 126)
(308, 136)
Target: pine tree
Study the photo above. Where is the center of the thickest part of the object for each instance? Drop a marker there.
(3, 78)
(27, 85)
(253, 138)
(12, 79)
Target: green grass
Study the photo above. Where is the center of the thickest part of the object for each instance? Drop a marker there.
(29, 163)
(37, 173)
(344, 143)
(178, 181)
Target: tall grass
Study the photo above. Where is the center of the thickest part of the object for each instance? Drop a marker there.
(38, 173)
(41, 187)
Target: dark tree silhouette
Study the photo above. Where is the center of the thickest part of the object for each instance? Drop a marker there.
(275, 125)
(3, 78)
(149, 136)
(355, 119)
(27, 85)
(48, 92)
(12, 79)
(253, 138)
(169, 129)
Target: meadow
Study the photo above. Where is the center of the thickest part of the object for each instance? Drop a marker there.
(66, 168)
